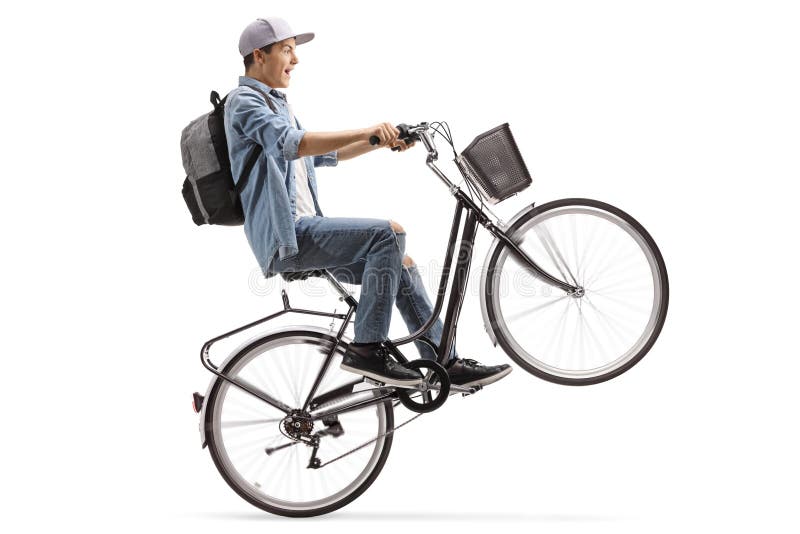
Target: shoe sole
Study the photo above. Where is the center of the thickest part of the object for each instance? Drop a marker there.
(385, 379)
(488, 380)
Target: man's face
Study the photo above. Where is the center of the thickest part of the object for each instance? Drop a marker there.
(274, 69)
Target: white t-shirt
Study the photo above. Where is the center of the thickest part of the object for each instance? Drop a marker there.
(304, 202)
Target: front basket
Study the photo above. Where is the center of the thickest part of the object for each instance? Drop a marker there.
(493, 163)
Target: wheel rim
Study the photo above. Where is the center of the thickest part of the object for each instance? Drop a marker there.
(243, 426)
(590, 336)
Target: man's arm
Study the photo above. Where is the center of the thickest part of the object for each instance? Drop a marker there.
(362, 147)
(355, 149)
(318, 143)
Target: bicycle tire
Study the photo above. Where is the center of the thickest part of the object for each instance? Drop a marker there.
(491, 289)
(216, 449)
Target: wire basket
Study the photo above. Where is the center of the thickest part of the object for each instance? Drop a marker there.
(493, 163)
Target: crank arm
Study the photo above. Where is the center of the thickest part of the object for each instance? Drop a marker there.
(453, 390)
(464, 390)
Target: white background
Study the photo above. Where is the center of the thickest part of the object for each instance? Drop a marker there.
(684, 114)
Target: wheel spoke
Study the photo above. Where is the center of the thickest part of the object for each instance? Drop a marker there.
(614, 266)
(562, 326)
(245, 402)
(266, 376)
(614, 324)
(624, 287)
(286, 380)
(624, 302)
(596, 254)
(523, 313)
(573, 227)
(599, 344)
(238, 424)
(605, 260)
(587, 253)
(553, 252)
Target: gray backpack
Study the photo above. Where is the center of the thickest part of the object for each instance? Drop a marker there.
(209, 190)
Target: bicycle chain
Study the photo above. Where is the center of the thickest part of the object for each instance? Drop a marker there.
(370, 441)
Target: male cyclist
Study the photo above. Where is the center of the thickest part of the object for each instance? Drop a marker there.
(284, 223)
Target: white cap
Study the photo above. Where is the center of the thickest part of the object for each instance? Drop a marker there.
(263, 32)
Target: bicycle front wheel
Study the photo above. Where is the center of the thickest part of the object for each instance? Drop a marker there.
(251, 444)
(584, 338)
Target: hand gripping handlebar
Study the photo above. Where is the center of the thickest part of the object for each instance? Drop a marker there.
(407, 134)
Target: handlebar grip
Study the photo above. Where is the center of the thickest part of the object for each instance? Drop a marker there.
(374, 140)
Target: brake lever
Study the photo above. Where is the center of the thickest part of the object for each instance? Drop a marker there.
(396, 148)
(404, 134)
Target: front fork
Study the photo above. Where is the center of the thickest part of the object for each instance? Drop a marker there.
(520, 254)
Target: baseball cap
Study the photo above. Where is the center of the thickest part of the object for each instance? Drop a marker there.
(263, 32)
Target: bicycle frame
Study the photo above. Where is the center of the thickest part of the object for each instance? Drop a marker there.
(474, 216)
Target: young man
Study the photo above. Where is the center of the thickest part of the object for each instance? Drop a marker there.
(284, 223)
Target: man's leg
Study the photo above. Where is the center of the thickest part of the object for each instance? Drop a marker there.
(412, 299)
(331, 242)
(415, 307)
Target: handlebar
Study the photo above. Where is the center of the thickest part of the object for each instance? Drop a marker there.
(419, 132)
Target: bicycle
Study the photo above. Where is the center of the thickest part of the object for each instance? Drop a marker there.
(306, 444)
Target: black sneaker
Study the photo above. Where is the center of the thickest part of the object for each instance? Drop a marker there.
(373, 361)
(471, 373)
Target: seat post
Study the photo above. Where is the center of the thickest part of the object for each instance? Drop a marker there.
(344, 294)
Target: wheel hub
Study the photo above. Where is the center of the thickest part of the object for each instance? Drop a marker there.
(297, 425)
(578, 293)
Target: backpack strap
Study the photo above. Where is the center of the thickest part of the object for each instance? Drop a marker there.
(267, 98)
(215, 101)
(245, 176)
(248, 167)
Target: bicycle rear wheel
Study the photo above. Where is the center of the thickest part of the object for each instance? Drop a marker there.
(247, 437)
(577, 340)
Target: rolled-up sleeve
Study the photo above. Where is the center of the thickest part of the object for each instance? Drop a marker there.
(327, 160)
(251, 117)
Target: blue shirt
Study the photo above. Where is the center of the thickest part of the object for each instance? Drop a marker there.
(268, 199)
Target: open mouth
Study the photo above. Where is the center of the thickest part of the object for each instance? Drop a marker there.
(287, 72)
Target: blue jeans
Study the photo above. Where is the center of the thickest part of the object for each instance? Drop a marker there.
(367, 252)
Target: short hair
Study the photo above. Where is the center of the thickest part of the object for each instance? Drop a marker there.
(249, 59)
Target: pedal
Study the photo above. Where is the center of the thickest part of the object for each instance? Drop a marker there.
(472, 390)
(373, 382)
(464, 390)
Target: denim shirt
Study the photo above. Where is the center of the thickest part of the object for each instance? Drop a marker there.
(268, 199)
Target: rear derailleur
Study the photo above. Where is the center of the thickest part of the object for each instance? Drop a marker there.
(298, 426)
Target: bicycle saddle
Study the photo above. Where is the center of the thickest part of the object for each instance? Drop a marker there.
(291, 276)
